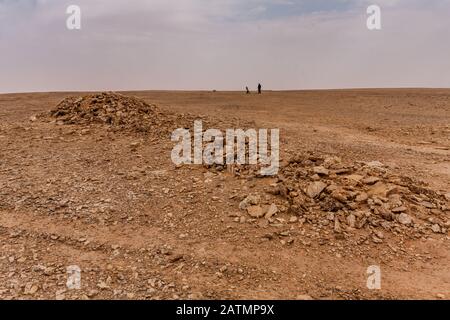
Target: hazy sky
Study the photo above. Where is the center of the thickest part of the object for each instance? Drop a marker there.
(223, 44)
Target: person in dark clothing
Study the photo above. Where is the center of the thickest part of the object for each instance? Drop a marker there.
(248, 91)
(259, 88)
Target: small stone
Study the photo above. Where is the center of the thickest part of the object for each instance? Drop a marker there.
(379, 189)
(315, 189)
(399, 209)
(440, 296)
(337, 226)
(405, 219)
(447, 196)
(436, 228)
(273, 210)
(251, 200)
(351, 221)
(255, 211)
(379, 234)
(376, 240)
(33, 118)
(339, 196)
(60, 294)
(293, 219)
(304, 297)
(370, 180)
(321, 171)
(395, 200)
(361, 197)
(375, 164)
(30, 289)
(354, 177)
(92, 293)
(428, 205)
(103, 285)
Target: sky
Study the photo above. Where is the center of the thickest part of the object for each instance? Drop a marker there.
(222, 45)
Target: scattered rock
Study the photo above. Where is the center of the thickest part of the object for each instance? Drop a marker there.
(361, 197)
(315, 189)
(273, 210)
(30, 289)
(251, 200)
(351, 221)
(370, 180)
(255, 212)
(428, 205)
(375, 164)
(321, 171)
(436, 228)
(354, 177)
(404, 219)
(399, 209)
(379, 189)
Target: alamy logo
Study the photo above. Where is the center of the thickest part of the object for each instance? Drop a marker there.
(374, 20)
(74, 278)
(215, 147)
(73, 22)
(374, 278)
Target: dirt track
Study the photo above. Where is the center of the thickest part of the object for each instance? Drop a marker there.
(115, 205)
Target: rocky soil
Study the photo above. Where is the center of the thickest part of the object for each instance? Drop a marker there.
(88, 181)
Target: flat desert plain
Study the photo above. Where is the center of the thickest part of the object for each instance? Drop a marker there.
(364, 181)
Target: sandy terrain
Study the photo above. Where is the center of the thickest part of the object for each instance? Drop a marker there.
(113, 203)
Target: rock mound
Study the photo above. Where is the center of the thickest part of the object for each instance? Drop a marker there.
(115, 110)
(360, 195)
(343, 197)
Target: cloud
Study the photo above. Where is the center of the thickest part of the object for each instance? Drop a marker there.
(222, 44)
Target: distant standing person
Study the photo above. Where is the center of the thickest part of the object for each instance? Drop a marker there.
(259, 88)
(248, 91)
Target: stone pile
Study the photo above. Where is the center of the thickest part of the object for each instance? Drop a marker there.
(344, 197)
(117, 111)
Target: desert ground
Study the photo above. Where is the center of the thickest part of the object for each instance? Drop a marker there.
(364, 180)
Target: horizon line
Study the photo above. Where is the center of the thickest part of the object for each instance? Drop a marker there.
(225, 90)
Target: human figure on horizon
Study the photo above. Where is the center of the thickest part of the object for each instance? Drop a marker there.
(259, 88)
(248, 91)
